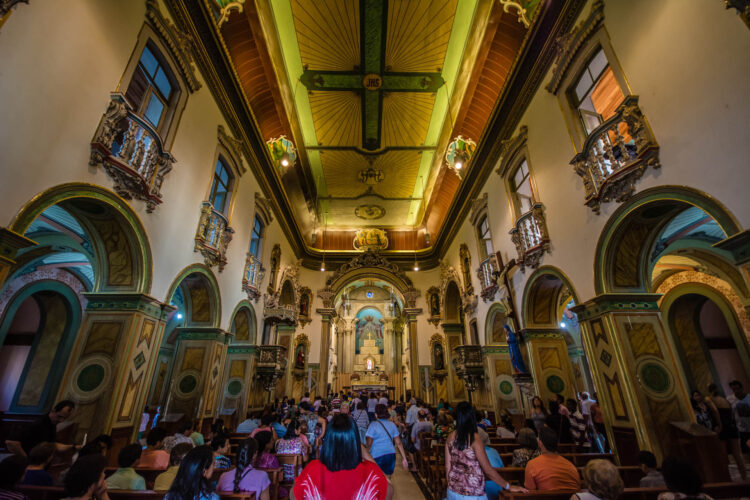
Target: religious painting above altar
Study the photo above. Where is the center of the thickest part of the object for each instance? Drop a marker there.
(369, 329)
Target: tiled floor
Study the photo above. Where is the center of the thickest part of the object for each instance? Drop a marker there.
(404, 485)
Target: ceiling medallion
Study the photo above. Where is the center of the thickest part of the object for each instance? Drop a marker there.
(371, 176)
(372, 81)
(370, 239)
(369, 212)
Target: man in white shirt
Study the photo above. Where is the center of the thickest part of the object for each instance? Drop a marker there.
(317, 403)
(586, 406)
(306, 398)
(740, 401)
(248, 425)
(413, 412)
(383, 399)
(355, 401)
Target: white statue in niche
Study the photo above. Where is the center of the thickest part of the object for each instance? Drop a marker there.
(369, 365)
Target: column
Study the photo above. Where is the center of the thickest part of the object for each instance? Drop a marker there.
(454, 338)
(389, 349)
(640, 386)
(237, 381)
(411, 317)
(327, 316)
(549, 363)
(113, 362)
(196, 387)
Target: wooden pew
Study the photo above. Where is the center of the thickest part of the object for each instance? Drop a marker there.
(57, 493)
(275, 475)
(631, 474)
(714, 490)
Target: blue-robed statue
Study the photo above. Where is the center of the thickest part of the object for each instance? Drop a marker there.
(516, 360)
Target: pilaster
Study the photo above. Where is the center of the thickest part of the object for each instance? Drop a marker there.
(411, 314)
(327, 316)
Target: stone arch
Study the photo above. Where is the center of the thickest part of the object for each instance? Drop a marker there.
(545, 289)
(621, 258)
(202, 299)
(120, 247)
(59, 320)
(496, 318)
(244, 323)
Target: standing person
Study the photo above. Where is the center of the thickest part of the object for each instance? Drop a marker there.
(705, 411)
(561, 404)
(597, 421)
(538, 413)
(372, 402)
(550, 471)
(356, 400)
(586, 403)
(466, 462)
(422, 425)
(382, 441)
(305, 399)
(154, 456)
(40, 457)
(559, 423)
(577, 424)
(728, 433)
(193, 480)
(244, 477)
(341, 473)
(361, 419)
(164, 480)
(43, 430)
(383, 399)
(126, 478)
(317, 403)
(741, 405)
(145, 417)
(412, 412)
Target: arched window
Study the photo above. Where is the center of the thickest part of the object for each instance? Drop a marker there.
(485, 238)
(153, 91)
(521, 188)
(221, 187)
(596, 93)
(256, 239)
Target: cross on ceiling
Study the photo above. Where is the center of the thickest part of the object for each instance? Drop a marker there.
(372, 79)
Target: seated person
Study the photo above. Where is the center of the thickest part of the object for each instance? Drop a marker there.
(265, 425)
(197, 437)
(125, 478)
(653, 477)
(85, 479)
(244, 477)
(249, 424)
(529, 447)
(265, 459)
(154, 456)
(506, 430)
(491, 488)
(164, 480)
(11, 474)
(40, 457)
(291, 444)
(193, 479)
(550, 471)
(221, 447)
(184, 430)
(683, 480)
(602, 480)
(279, 426)
(341, 473)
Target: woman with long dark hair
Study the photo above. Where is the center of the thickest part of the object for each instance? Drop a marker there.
(244, 477)
(193, 480)
(341, 473)
(538, 413)
(291, 444)
(466, 462)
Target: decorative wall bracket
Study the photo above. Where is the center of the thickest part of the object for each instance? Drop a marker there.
(615, 155)
(213, 236)
(7, 5)
(131, 152)
(468, 364)
(253, 277)
(487, 272)
(278, 313)
(741, 6)
(530, 237)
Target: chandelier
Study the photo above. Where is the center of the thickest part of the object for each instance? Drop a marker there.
(459, 153)
(282, 151)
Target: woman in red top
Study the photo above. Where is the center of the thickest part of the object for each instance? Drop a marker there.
(341, 474)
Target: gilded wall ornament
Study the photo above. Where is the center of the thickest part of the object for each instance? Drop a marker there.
(370, 239)
(369, 212)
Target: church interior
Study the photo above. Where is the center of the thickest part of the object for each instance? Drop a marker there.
(238, 204)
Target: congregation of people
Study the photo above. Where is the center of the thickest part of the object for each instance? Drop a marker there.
(348, 446)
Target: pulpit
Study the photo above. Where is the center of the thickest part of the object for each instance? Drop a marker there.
(703, 448)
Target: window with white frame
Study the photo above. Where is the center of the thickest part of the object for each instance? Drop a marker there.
(521, 189)
(596, 93)
(485, 237)
(256, 239)
(221, 187)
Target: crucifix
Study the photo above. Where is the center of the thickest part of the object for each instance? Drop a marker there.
(372, 78)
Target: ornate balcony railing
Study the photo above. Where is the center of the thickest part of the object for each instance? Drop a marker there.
(271, 365)
(131, 152)
(252, 277)
(530, 237)
(615, 155)
(213, 236)
(469, 365)
(487, 274)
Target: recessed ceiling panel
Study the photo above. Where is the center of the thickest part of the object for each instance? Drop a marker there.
(406, 116)
(328, 33)
(337, 117)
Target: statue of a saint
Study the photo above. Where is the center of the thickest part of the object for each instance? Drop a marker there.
(439, 359)
(299, 362)
(516, 360)
(434, 305)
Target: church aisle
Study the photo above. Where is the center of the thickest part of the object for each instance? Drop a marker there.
(405, 485)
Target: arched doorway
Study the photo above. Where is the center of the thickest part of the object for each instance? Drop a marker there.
(553, 335)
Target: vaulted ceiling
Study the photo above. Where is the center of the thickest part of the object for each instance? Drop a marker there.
(371, 92)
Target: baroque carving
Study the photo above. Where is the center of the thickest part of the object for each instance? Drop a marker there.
(742, 7)
(567, 45)
(235, 147)
(179, 43)
(509, 148)
(370, 239)
(465, 258)
(369, 258)
(253, 277)
(615, 155)
(213, 236)
(7, 5)
(478, 206)
(131, 152)
(263, 208)
(530, 237)
(468, 299)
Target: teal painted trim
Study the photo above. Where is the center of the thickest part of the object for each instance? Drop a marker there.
(128, 302)
(285, 328)
(314, 366)
(617, 302)
(59, 362)
(192, 333)
(241, 349)
(495, 349)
